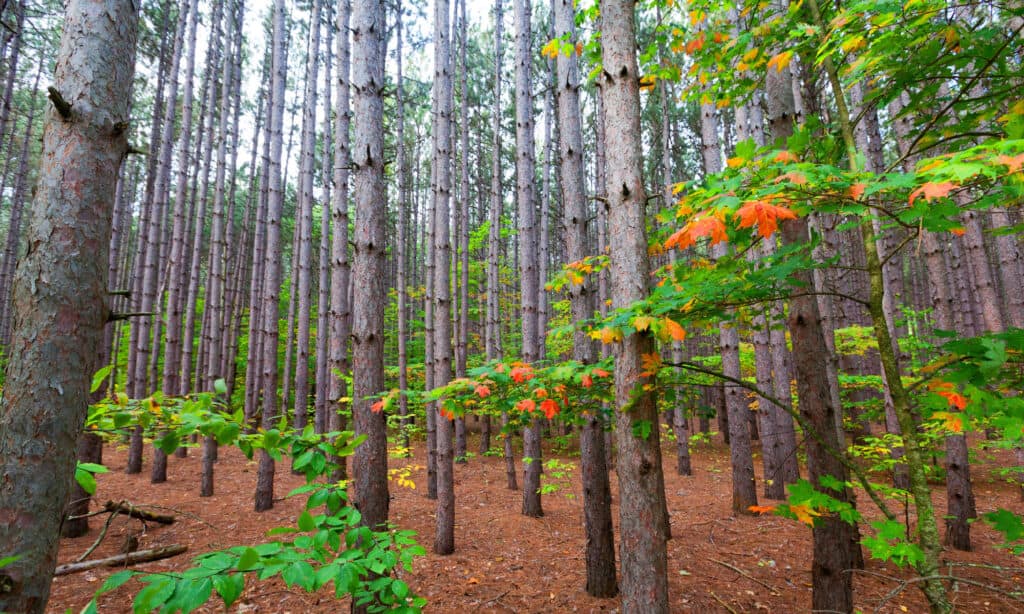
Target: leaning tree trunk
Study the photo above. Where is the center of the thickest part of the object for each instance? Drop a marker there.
(528, 262)
(641, 486)
(370, 462)
(597, 511)
(60, 291)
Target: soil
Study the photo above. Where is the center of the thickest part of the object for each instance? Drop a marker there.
(505, 562)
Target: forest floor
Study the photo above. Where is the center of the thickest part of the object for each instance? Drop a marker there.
(505, 562)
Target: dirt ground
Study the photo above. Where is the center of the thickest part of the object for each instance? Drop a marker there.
(505, 562)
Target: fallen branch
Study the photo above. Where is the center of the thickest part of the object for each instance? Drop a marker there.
(124, 507)
(131, 558)
(724, 604)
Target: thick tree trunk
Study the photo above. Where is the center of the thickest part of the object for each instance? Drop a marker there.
(60, 291)
(370, 462)
(641, 485)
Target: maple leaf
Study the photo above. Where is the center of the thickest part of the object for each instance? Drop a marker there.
(550, 50)
(857, 190)
(735, 162)
(1014, 163)
(674, 329)
(764, 214)
(931, 191)
(579, 48)
(500, 367)
(377, 407)
(761, 509)
(647, 83)
(521, 374)
(955, 399)
(780, 61)
(950, 421)
(540, 393)
(804, 514)
(785, 157)
(958, 231)
(792, 177)
(650, 363)
(696, 44)
(482, 391)
(710, 224)
(527, 405)
(600, 373)
(642, 323)
(550, 408)
(586, 381)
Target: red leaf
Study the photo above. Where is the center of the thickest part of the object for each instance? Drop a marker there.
(765, 215)
(931, 191)
(550, 408)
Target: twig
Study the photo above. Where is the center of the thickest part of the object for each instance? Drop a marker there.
(99, 538)
(724, 604)
(746, 575)
(126, 507)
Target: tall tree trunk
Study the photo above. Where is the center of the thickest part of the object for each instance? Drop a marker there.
(324, 274)
(340, 271)
(370, 460)
(59, 324)
(834, 539)
(462, 333)
(305, 220)
(401, 170)
(494, 350)
(597, 511)
(641, 485)
(444, 536)
(264, 496)
(528, 253)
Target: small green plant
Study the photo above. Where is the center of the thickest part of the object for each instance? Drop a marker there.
(557, 477)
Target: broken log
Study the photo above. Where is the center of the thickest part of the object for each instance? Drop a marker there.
(128, 509)
(131, 558)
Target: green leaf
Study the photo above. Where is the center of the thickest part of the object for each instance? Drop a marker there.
(85, 480)
(192, 593)
(300, 573)
(116, 580)
(1007, 523)
(154, 595)
(7, 560)
(90, 608)
(248, 560)
(220, 387)
(642, 429)
(97, 379)
(306, 522)
(229, 587)
(400, 589)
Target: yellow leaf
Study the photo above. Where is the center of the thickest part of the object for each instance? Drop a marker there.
(780, 61)
(735, 162)
(550, 50)
(642, 323)
(804, 514)
(750, 55)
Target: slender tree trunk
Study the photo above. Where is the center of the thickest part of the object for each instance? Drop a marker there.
(59, 324)
(264, 497)
(641, 485)
(340, 272)
(528, 254)
(462, 334)
(324, 273)
(597, 512)
(401, 170)
(444, 536)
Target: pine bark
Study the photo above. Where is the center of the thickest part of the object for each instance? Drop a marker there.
(597, 512)
(60, 291)
(528, 253)
(641, 485)
(444, 536)
(370, 460)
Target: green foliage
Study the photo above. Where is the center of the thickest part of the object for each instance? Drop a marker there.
(327, 544)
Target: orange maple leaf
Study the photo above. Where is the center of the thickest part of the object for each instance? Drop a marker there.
(521, 374)
(650, 363)
(958, 231)
(377, 407)
(761, 509)
(708, 225)
(931, 191)
(792, 177)
(600, 373)
(674, 329)
(804, 514)
(482, 391)
(857, 190)
(550, 408)
(952, 422)
(527, 405)
(955, 399)
(785, 157)
(1013, 162)
(764, 214)
(586, 381)
(540, 393)
(696, 44)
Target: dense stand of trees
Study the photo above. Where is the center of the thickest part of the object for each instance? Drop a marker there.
(445, 221)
